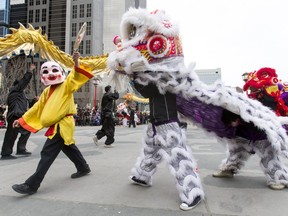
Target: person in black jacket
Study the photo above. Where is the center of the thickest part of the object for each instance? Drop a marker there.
(17, 105)
(108, 125)
(132, 117)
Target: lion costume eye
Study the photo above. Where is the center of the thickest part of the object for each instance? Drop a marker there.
(132, 31)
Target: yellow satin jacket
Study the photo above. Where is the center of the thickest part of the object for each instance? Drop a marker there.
(55, 107)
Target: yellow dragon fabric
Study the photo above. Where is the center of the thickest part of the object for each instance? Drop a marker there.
(32, 41)
(133, 97)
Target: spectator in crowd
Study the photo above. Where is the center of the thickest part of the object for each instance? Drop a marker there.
(18, 104)
(132, 117)
(108, 124)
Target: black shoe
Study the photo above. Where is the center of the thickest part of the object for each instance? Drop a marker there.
(138, 181)
(24, 189)
(109, 141)
(26, 153)
(8, 157)
(81, 173)
(185, 207)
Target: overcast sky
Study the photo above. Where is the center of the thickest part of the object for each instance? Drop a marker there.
(235, 35)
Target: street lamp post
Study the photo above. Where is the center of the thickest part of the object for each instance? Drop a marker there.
(96, 82)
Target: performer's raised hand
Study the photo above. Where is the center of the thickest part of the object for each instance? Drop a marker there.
(32, 67)
(76, 56)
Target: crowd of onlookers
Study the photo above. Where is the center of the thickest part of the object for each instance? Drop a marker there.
(3, 112)
(92, 117)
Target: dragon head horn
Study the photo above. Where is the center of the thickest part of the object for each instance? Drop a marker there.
(30, 27)
(21, 25)
(13, 30)
(40, 30)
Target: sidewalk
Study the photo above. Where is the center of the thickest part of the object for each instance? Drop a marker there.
(107, 190)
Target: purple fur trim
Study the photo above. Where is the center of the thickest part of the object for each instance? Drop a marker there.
(208, 115)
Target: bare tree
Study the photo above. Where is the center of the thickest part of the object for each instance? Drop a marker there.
(14, 69)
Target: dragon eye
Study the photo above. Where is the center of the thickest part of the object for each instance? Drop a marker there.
(265, 75)
(132, 31)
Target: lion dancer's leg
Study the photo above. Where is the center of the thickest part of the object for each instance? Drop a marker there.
(238, 153)
(275, 171)
(167, 141)
(183, 167)
(147, 162)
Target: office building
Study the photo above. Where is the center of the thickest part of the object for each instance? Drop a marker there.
(4, 16)
(209, 76)
(18, 13)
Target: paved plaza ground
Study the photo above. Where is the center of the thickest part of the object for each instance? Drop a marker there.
(108, 192)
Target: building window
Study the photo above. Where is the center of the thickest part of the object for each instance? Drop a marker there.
(89, 10)
(72, 45)
(74, 12)
(74, 29)
(88, 30)
(31, 2)
(81, 11)
(88, 47)
(44, 2)
(44, 15)
(30, 16)
(37, 2)
(80, 25)
(81, 47)
(43, 29)
(37, 15)
(86, 87)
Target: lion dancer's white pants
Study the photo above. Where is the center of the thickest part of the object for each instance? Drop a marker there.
(270, 162)
(167, 141)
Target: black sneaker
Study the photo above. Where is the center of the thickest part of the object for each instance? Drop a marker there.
(24, 189)
(81, 173)
(109, 141)
(8, 157)
(25, 153)
(185, 207)
(138, 181)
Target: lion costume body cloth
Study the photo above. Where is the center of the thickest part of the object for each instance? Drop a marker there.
(152, 53)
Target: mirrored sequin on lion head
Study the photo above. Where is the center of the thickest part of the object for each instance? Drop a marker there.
(154, 36)
(52, 73)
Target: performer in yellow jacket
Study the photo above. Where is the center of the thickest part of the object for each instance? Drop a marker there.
(54, 110)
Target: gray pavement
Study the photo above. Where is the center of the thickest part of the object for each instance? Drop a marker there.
(108, 192)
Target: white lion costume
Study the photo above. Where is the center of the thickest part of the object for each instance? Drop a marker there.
(152, 50)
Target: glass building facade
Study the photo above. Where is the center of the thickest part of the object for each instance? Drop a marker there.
(4, 17)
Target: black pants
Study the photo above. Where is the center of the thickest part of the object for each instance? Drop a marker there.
(11, 136)
(50, 151)
(108, 129)
(132, 122)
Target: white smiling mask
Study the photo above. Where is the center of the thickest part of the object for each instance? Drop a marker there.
(52, 73)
